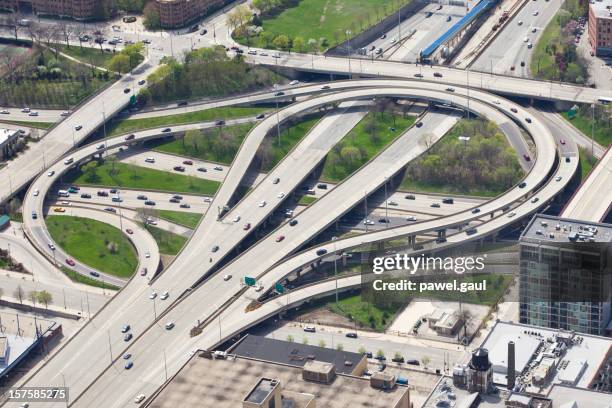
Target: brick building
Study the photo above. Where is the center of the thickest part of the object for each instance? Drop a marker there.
(600, 27)
(77, 9)
(179, 13)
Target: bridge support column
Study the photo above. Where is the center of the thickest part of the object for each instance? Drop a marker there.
(442, 233)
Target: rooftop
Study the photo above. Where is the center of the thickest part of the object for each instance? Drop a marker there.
(562, 395)
(602, 9)
(5, 134)
(224, 383)
(546, 228)
(295, 354)
(579, 357)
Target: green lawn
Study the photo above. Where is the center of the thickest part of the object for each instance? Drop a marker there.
(187, 219)
(586, 162)
(94, 243)
(542, 64)
(140, 178)
(37, 125)
(3, 263)
(370, 136)
(219, 144)
(86, 280)
(365, 313)
(225, 113)
(168, 243)
(88, 55)
(324, 19)
(307, 200)
(18, 217)
(603, 132)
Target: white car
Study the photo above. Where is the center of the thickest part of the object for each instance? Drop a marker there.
(262, 203)
(5, 112)
(148, 254)
(36, 193)
(558, 178)
(512, 214)
(227, 277)
(252, 52)
(150, 160)
(496, 101)
(520, 22)
(391, 202)
(139, 398)
(33, 113)
(164, 295)
(236, 218)
(66, 113)
(169, 325)
(525, 39)
(207, 200)
(263, 54)
(26, 110)
(369, 222)
(411, 218)
(280, 195)
(393, 41)
(294, 82)
(153, 295)
(100, 146)
(535, 13)
(51, 173)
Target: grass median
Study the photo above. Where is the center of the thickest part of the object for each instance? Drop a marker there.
(187, 219)
(94, 243)
(25, 123)
(206, 115)
(167, 242)
(110, 173)
(86, 280)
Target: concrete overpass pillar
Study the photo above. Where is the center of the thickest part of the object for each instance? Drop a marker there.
(442, 233)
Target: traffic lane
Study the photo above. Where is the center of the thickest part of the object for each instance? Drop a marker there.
(42, 115)
(519, 144)
(129, 197)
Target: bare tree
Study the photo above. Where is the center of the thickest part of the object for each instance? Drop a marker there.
(19, 293)
(66, 30)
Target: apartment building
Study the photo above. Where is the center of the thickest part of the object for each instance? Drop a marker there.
(600, 27)
(77, 9)
(179, 13)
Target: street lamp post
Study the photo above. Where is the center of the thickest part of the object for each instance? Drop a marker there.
(348, 50)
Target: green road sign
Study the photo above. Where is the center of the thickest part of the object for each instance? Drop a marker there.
(133, 100)
(279, 288)
(249, 281)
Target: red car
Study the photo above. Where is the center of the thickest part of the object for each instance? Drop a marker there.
(247, 226)
(280, 238)
(129, 231)
(188, 162)
(70, 262)
(562, 141)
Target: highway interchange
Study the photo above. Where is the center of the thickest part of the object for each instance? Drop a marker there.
(200, 292)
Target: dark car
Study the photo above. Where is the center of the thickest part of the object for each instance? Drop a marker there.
(149, 202)
(129, 364)
(260, 116)
(182, 103)
(142, 197)
(202, 169)
(293, 223)
(322, 186)
(384, 220)
(398, 359)
(94, 274)
(220, 122)
(185, 205)
(174, 200)
(475, 210)
(409, 197)
(413, 362)
(437, 75)
(351, 335)
(110, 209)
(440, 240)
(526, 157)
(203, 32)
(141, 82)
(179, 168)
(418, 75)
(166, 130)
(435, 205)
(419, 124)
(127, 337)
(85, 195)
(102, 194)
(448, 201)
(130, 137)
(126, 90)
(528, 120)
(321, 251)
(522, 185)
(471, 231)
(279, 93)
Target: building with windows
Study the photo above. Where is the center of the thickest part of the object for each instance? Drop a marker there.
(8, 142)
(77, 9)
(565, 274)
(600, 27)
(179, 13)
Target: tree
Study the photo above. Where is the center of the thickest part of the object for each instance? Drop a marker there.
(361, 350)
(380, 354)
(267, 37)
(45, 298)
(120, 63)
(290, 339)
(305, 340)
(322, 343)
(19, 293)
(32, 297)
(340, 347)
(299, 44)
(152, 19)
(397, 356)
(425, 360)
(281, 42)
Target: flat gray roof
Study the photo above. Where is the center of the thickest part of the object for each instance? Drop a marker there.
(584, 398)
(547, 228)
(602, 9)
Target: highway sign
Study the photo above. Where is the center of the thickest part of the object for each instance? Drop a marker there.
(249, 281)
(279, 288)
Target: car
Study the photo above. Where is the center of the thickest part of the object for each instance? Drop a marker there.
(70, 262)
(435, 205)
(129, 231)
(321, 251)
(85, 195)
(51, 246)
(520, 22)
(117, 199)
(181, 103)
(448, 18)
(110, 209)
(440, 240)
(59, 210)
(279, 93)
(236, 218)
(164, 295)
(127, 356)
(142, 197)
(247, 226)
(418, 75)
(227, 277)
(384, 220)
(150, 160)
(127, 337)
(562, 141)
(169, 325)
(351, 335)
(294, 82)
(179, 168)
(526, 157)
(141, 82)
(219, 122)
(410, 197)
(143, 272)
(33, 113)
(530, 45)
(471, 231)
(535, 13)
(393, 40)
(78, 127)
(252, 52)
(438, 74)
(419, 124)
(293, 222)
(153, 295)
(207, 200)
(174, 200)
(525, 39)
(382, 37)
(413, 362)
(126, 90)
(262, 203)
(558, 178)
(276, 180)
(100, 146)
(280, 195)
(450, 89)
(310, 328)
(379, 51)
(280, 238)
(512, 68)
(368, 222)
(166, 130)
(94, 274)
(185, 205)
(36, 193)
(522, 63)
(218, 168)
(522, 185)
(149, 202)
(411, 218)
(5, 112)
(448, 200)
(126, 328)
(528, 120)
(214, 248)
(130, 137)
(534, 29)
(325, 87)
(202, 169)
(50, 173)
(260, 116)
(475, 210)
(25, 110)
(129, 365)
(514, 110)
(289, 212)
(322, 186)
(535, 200)
(139, 398)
